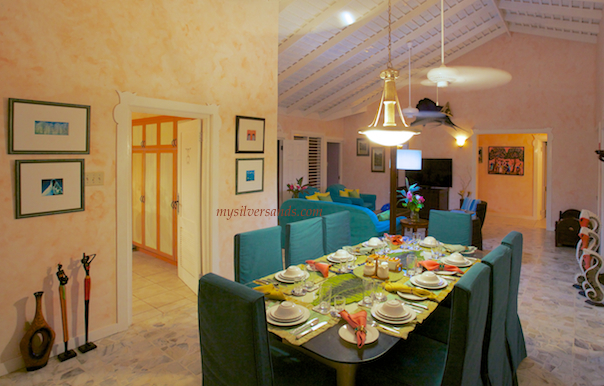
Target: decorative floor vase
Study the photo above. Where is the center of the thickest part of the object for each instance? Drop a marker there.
(38, 340)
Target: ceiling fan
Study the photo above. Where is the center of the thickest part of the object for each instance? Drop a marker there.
(463, 77)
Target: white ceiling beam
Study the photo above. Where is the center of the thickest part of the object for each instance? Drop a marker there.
(553, 23)
(284, 4)
(333, 41)
(353, 73)
(551, 10)
(357, 50)
(312, 24)
(428, 59)
(505, 24)
(555, 34)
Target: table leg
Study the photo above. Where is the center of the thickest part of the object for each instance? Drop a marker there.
(346, 373)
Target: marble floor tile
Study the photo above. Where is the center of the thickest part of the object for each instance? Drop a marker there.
(564, 335)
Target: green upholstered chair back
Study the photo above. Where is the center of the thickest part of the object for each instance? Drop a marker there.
(498, 370)
(469, 309)
(232, 331)
(514, 334)
(450, 227)
(336, 231)
(257, 254)
(303, 241)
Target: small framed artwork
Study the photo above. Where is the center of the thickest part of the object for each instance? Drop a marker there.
(249, 135)
(506, 160)
(36, 127)
(378, 161)
(45, 187)
(362, 147)
(249, 175)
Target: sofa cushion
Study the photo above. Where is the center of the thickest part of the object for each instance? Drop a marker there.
(384, 216)
(353, 193)
(324, 197)
(314, 197)
(344, 193)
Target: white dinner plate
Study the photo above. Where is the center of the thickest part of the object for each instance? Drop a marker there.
(466, 262)
(271, 312)
(349, 335)
(379, 317)
(413, 298)
(445, 273)
(442, 284)
(304, 318)
(336, 260)
(380, 245)
(279, 276)
(421, 243)
(469, 250)
(380, 313)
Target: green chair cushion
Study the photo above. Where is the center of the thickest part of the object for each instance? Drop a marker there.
(303, 241)
(450, 227)
(257, 254)
(336, 231)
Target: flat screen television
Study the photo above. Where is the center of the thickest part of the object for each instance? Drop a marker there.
(436, 172)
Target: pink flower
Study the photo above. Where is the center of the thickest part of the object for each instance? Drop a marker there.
(420, 198)
(409, 196)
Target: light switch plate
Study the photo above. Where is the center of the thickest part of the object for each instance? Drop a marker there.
(95, 179)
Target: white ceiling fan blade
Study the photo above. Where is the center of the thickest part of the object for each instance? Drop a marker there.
(475, 78)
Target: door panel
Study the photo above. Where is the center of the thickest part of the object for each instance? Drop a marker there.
(137, 194)
(151, 200)
(295, 164)
(165, 206)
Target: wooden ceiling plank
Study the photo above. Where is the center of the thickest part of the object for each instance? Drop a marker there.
(551, 10)
(312, 24)
(284, 4)
(505, 24)
(555, 34)
(552, 23)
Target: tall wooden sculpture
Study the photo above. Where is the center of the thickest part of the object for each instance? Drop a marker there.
(86, 260)
(68, 354)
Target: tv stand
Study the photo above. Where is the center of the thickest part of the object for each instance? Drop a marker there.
(436, 198)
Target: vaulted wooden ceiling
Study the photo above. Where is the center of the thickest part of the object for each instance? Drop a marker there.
(332, 51)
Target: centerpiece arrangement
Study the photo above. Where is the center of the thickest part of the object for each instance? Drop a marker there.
(414, 202)
(297, 187)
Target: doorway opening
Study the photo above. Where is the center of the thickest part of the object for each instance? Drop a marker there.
(333, 163)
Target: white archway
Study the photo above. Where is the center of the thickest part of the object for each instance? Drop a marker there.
(122, 114)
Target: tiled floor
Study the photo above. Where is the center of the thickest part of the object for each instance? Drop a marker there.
(564, 335)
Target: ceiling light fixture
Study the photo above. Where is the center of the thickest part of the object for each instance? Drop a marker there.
(389, 133)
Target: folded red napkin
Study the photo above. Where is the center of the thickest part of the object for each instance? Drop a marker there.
(432, 265)
(394, 239)
(358, 321)
(321, 267)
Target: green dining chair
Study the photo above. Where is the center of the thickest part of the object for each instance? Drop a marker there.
(257, 254)
(235, 344)
(513, 328)
(303, 241)
(421, 361)
(450, 227)
(498, 370)
(336, 231)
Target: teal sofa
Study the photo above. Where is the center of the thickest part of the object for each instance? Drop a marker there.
(366, 200)
(364, 223)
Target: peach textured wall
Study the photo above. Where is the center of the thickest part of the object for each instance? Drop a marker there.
(553, 83)
(508, 194)
(221, 52)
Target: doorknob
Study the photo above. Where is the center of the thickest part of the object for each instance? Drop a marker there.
(142, 199)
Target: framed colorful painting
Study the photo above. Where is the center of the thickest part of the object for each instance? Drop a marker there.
(506, 160)
(378, 159)
(249, 175)
(45, 187)
(36, 127)
(362, 147)
(249, 135)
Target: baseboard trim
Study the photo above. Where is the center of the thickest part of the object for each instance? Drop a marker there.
(17, 363)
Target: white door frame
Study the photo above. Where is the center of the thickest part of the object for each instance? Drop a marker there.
(550, 146)
(122, 114)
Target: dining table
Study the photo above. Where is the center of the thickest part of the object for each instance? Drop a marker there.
(326, 343)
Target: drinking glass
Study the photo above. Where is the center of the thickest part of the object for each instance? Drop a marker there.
(411, 264)
(325, 298)
(367, 293)
(309, 284)
(339, 302)
(379, 293)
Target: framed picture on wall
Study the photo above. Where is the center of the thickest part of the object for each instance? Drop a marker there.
(506, 160)
(249, 134)
(362, 147)
(36, 127)
(378, 161)
(249, 175)
(45, 187)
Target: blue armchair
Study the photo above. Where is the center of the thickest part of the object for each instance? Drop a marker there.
(366, 200)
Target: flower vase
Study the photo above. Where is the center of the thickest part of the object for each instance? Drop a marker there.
(414, 216)
(295, 194)
(38, 340)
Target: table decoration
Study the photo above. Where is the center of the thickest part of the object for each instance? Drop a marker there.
(413, 202)
(358, 322)
(347, 285)
(297, 188)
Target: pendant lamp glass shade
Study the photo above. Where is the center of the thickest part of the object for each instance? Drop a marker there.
(389, 133)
